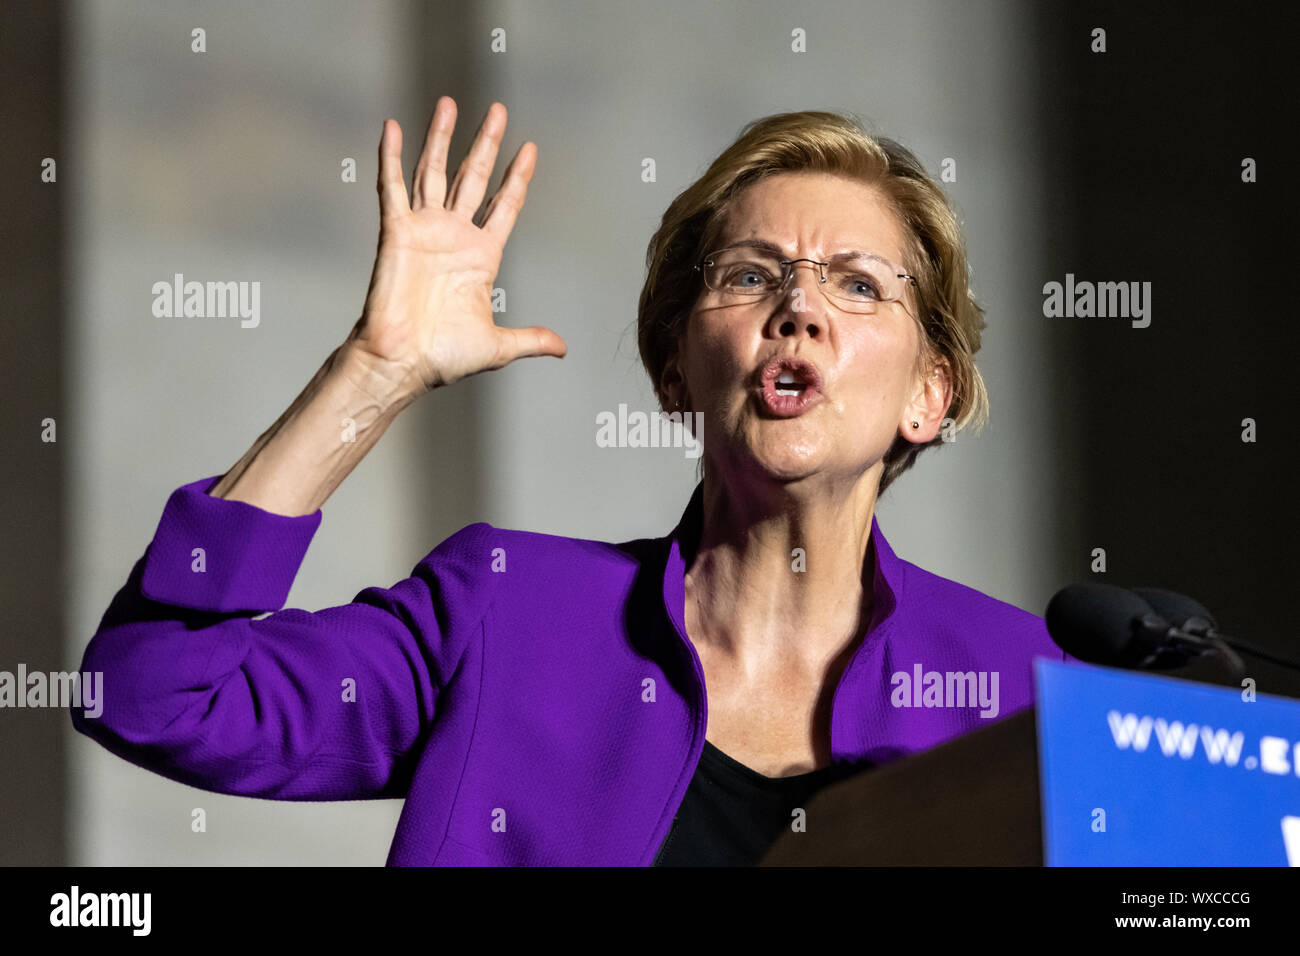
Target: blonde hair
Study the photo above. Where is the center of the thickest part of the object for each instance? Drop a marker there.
(950, 319)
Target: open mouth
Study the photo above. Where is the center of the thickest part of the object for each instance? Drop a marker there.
(789, 386)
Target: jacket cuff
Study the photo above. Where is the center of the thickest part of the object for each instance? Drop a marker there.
(248, 559)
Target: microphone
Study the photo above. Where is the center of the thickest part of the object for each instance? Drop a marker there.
(1106, 624)
(1179, 610)
(1144, 629)
(1188, 615)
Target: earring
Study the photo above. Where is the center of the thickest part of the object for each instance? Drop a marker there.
(916, 425)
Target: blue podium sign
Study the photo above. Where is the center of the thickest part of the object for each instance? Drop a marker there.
(1140, 770)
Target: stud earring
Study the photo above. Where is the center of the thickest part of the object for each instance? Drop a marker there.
(916, 425)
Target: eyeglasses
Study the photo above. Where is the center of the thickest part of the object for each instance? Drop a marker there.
(857, 283)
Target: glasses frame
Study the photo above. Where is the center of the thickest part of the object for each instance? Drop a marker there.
(787, 267)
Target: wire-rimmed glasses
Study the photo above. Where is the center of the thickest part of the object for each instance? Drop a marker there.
(857, 282)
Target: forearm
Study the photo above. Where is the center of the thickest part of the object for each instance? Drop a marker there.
(298, 462)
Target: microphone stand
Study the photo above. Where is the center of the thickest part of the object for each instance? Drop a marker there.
(1194, 639)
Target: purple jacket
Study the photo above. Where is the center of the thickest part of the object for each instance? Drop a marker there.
(533, 697)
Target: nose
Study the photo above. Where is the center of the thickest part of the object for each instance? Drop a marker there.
(802, 306)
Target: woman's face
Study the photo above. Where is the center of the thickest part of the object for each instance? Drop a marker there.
(871, 385)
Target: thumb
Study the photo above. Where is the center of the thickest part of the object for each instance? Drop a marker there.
(528, 343)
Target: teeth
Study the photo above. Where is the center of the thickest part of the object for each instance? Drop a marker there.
(788, 384)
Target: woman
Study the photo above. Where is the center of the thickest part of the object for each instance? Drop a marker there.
(547, 700)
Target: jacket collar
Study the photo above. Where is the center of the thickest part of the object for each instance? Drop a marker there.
(684, 541)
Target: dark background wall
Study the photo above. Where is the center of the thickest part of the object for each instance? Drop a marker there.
(1149, 139)
(33, 780)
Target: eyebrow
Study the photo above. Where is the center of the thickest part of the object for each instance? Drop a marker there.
(766, 246)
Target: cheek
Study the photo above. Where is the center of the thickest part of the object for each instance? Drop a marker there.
(879, 375)
(715, 358)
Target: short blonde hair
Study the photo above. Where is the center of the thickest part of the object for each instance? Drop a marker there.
(950, 319)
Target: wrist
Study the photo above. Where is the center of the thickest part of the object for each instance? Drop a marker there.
(387, 384)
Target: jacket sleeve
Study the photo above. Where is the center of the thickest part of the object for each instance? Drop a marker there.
(295, 705)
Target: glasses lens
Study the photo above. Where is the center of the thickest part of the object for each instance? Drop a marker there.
(863, 283)
(743, 272)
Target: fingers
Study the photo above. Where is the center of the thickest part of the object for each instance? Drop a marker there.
(392, 185)
(467, 189)
(503, 208)
(527, 343)
(430, 186)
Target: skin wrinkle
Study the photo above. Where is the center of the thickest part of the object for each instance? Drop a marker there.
(774, 642)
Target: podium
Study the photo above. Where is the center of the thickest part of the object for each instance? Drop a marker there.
(1109, 768)
(972, 801)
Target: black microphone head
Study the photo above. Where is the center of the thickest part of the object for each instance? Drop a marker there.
(1175, 608)
(1097, 623)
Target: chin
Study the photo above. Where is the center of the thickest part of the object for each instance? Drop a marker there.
(789, 464)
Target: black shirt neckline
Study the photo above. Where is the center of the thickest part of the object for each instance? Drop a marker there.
(725, 761)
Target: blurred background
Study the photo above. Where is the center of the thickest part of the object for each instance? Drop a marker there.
(1122, 165)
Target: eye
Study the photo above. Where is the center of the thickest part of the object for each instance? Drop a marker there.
(862, 280)
(862, 287)
(747, 275)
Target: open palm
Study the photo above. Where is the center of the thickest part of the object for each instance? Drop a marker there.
(427, 320)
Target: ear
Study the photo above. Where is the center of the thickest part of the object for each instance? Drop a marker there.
(929, 404)
(672, 386)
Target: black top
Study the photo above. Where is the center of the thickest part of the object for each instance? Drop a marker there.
(731, 815)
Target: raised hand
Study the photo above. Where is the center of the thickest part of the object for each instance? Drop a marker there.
(427, 320)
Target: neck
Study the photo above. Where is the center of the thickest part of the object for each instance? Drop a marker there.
(777, 580)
